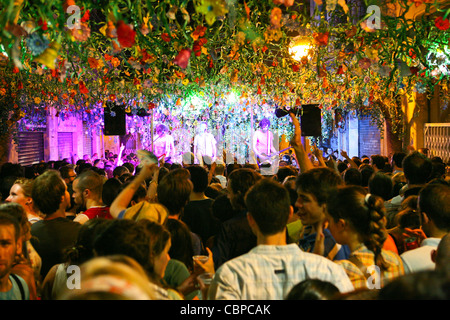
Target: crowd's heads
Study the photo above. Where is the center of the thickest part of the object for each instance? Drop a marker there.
(313, 289)
(21, 193)
(111, 189)
(380, 184)
(269, 204)
(434, 201)
(442, 254)
(83, 250)
(378, 161)
(352, 176)
(160, 242)
(89, 180)
(397, 159)
(119, 170)
(50, 192)
(174, 190)
(239, 182)
(420, 285)
(199, 178)
(182, 248)
(363, 213)
(123, 236)
(318, 182)
(417, 168)
(11, 246)
(116, 277)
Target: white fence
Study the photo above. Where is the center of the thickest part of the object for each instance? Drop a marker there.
(437, 140)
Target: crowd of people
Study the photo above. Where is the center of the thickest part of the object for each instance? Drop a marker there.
(323, 229)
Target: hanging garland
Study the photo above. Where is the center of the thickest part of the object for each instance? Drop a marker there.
(77, 55)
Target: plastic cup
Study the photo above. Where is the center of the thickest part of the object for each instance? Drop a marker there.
(205, 278)
(202, 259)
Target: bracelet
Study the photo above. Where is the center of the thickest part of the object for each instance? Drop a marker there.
(154, 182)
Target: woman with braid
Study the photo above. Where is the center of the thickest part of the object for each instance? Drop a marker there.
(357, 218)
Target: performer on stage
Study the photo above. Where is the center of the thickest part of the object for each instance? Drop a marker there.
(204, 144)
(263, 142)
(163, 143)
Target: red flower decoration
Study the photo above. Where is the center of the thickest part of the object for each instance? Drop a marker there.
(82, 88)
(197, 47)
(182, 59)
(199, 32)
(125, 34)
(295, 67)
(42, 24)
(442, 24)
(321, 38)
(166, 37)
(86, 16)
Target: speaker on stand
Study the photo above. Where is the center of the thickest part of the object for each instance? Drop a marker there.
(311, 120)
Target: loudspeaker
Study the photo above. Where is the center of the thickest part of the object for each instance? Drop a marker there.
(311, 123)
(114, 118)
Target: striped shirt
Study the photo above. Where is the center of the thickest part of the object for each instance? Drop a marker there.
(268, 272)
(376, 280)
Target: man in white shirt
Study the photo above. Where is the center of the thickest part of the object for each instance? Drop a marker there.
(434, 206)
(204, 144)
(164, 145)
(271, 269)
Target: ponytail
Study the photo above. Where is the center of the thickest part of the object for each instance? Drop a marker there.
(377, 228)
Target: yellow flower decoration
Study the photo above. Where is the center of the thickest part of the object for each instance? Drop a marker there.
(37, 100)
(212, 9)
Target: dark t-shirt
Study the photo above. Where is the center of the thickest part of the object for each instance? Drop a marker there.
(50, 238)
(234, 239)
(199, 218)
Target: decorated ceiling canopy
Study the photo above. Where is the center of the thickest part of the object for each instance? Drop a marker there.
(76, 55)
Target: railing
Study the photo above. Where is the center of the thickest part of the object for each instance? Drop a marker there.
(437, 140)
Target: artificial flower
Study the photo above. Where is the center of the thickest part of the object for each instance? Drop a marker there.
(182, 59)
(43, 24)
(165, 36)
(82, 87)
(364, 63)
(198, 32)
(286, 3)
(212, 9)
(321, 38)
(198, 46)
(125, 34)
(81, 32)
(442, 24)
(110, 30)
(95, 63)
(36, 44)
(275, 17)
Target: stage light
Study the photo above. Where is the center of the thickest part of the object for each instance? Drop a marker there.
(299, 47)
